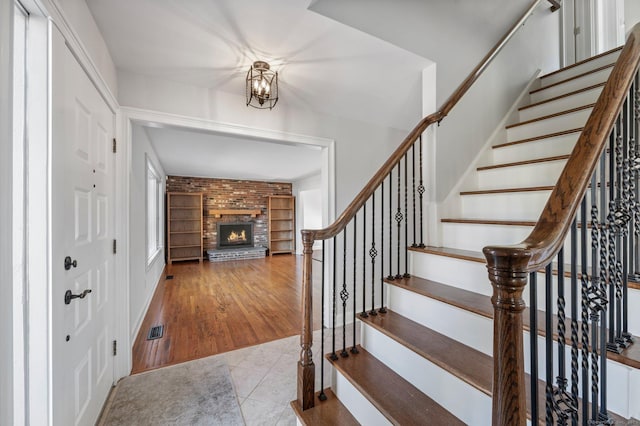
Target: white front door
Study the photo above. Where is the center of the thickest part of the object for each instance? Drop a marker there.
(82, 225)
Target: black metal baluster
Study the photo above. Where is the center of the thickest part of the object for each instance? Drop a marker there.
(390, 277)
(575, 343)
(564, 405)
(615, 168)
(548, 314)
(533, 343)
(344, 295)
(399, 221)
(334, 356)
(373, 253)
(322, 396)
(382, 309)
(406, 219)
(421, 191)
(354, 349)
(364, 313)
(413, 192)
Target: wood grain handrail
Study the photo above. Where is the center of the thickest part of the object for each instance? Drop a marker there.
(351, 210)
(547, 237)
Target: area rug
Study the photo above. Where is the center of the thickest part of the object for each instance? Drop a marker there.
(198, 392)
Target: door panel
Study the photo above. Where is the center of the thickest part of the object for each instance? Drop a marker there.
(82, 228)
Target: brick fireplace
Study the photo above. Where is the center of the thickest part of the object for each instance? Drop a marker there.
(229, 194)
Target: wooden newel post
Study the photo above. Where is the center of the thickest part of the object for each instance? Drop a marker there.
(509, 394)
(306, 367)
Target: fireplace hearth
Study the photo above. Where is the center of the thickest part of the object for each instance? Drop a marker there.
(235, 235)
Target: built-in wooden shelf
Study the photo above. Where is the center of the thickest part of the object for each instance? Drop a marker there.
(281, 212)
(184, 226)
(217, 213)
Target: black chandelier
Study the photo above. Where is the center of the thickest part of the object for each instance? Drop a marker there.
(262, 86)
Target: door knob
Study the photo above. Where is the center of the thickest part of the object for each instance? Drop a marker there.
(68, 263)
(69, 296)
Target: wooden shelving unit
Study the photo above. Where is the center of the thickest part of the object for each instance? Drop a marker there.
(184, 226)
(282, 224)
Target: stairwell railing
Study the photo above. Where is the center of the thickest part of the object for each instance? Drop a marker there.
(592, 219)
(368, 244)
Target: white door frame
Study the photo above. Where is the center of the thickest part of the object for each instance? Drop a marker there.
(6, 212)
(128, 117)
(44, 14)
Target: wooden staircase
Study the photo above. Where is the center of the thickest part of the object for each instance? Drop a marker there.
(428, 359)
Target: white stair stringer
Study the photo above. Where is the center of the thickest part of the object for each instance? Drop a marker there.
(431, 379)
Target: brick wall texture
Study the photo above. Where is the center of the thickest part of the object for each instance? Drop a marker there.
(230, 194)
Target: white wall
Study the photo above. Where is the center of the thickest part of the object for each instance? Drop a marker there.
(6, 172)
(631, 13)
(308, 207)
(144, 280)
(360, 147)
(78, 16)
(464, 132)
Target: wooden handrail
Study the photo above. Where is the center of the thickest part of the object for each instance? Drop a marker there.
(509, 266)
(348, 214)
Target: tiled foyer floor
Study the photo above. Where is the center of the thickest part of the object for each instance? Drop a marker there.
(264, 377)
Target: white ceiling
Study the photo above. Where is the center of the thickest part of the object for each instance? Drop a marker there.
(185, 152)
(323, 65)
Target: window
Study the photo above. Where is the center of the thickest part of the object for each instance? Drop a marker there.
(154, 212)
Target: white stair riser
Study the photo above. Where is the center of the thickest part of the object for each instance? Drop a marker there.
(565, 103)
(455, 323)
(523, 205)
(459, 324)
(559, 123)
(527, 175)
(432, 380)
(474, 237)
(571, 85)
(580, 69)
(548, 147)
(357, 404)
(465, 274)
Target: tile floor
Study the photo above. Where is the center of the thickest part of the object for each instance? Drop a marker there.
(264, 377)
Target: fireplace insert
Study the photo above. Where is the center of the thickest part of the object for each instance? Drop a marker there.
(235, 235)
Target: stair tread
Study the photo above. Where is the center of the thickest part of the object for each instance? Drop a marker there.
(524, 162)
(584, 74)
(566, 95)
(397, 399)
(466, 363)
(538, 138)
(481, 305)
(507, 190)
(584, 61)
(474, 256)
(325, 413)
(546, 117)
(489, 221)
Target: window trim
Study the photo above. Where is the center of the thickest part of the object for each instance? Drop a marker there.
(152, 174)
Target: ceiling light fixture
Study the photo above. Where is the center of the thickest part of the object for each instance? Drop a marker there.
(262, 86)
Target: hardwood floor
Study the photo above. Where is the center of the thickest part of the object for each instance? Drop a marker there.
(210, 308)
